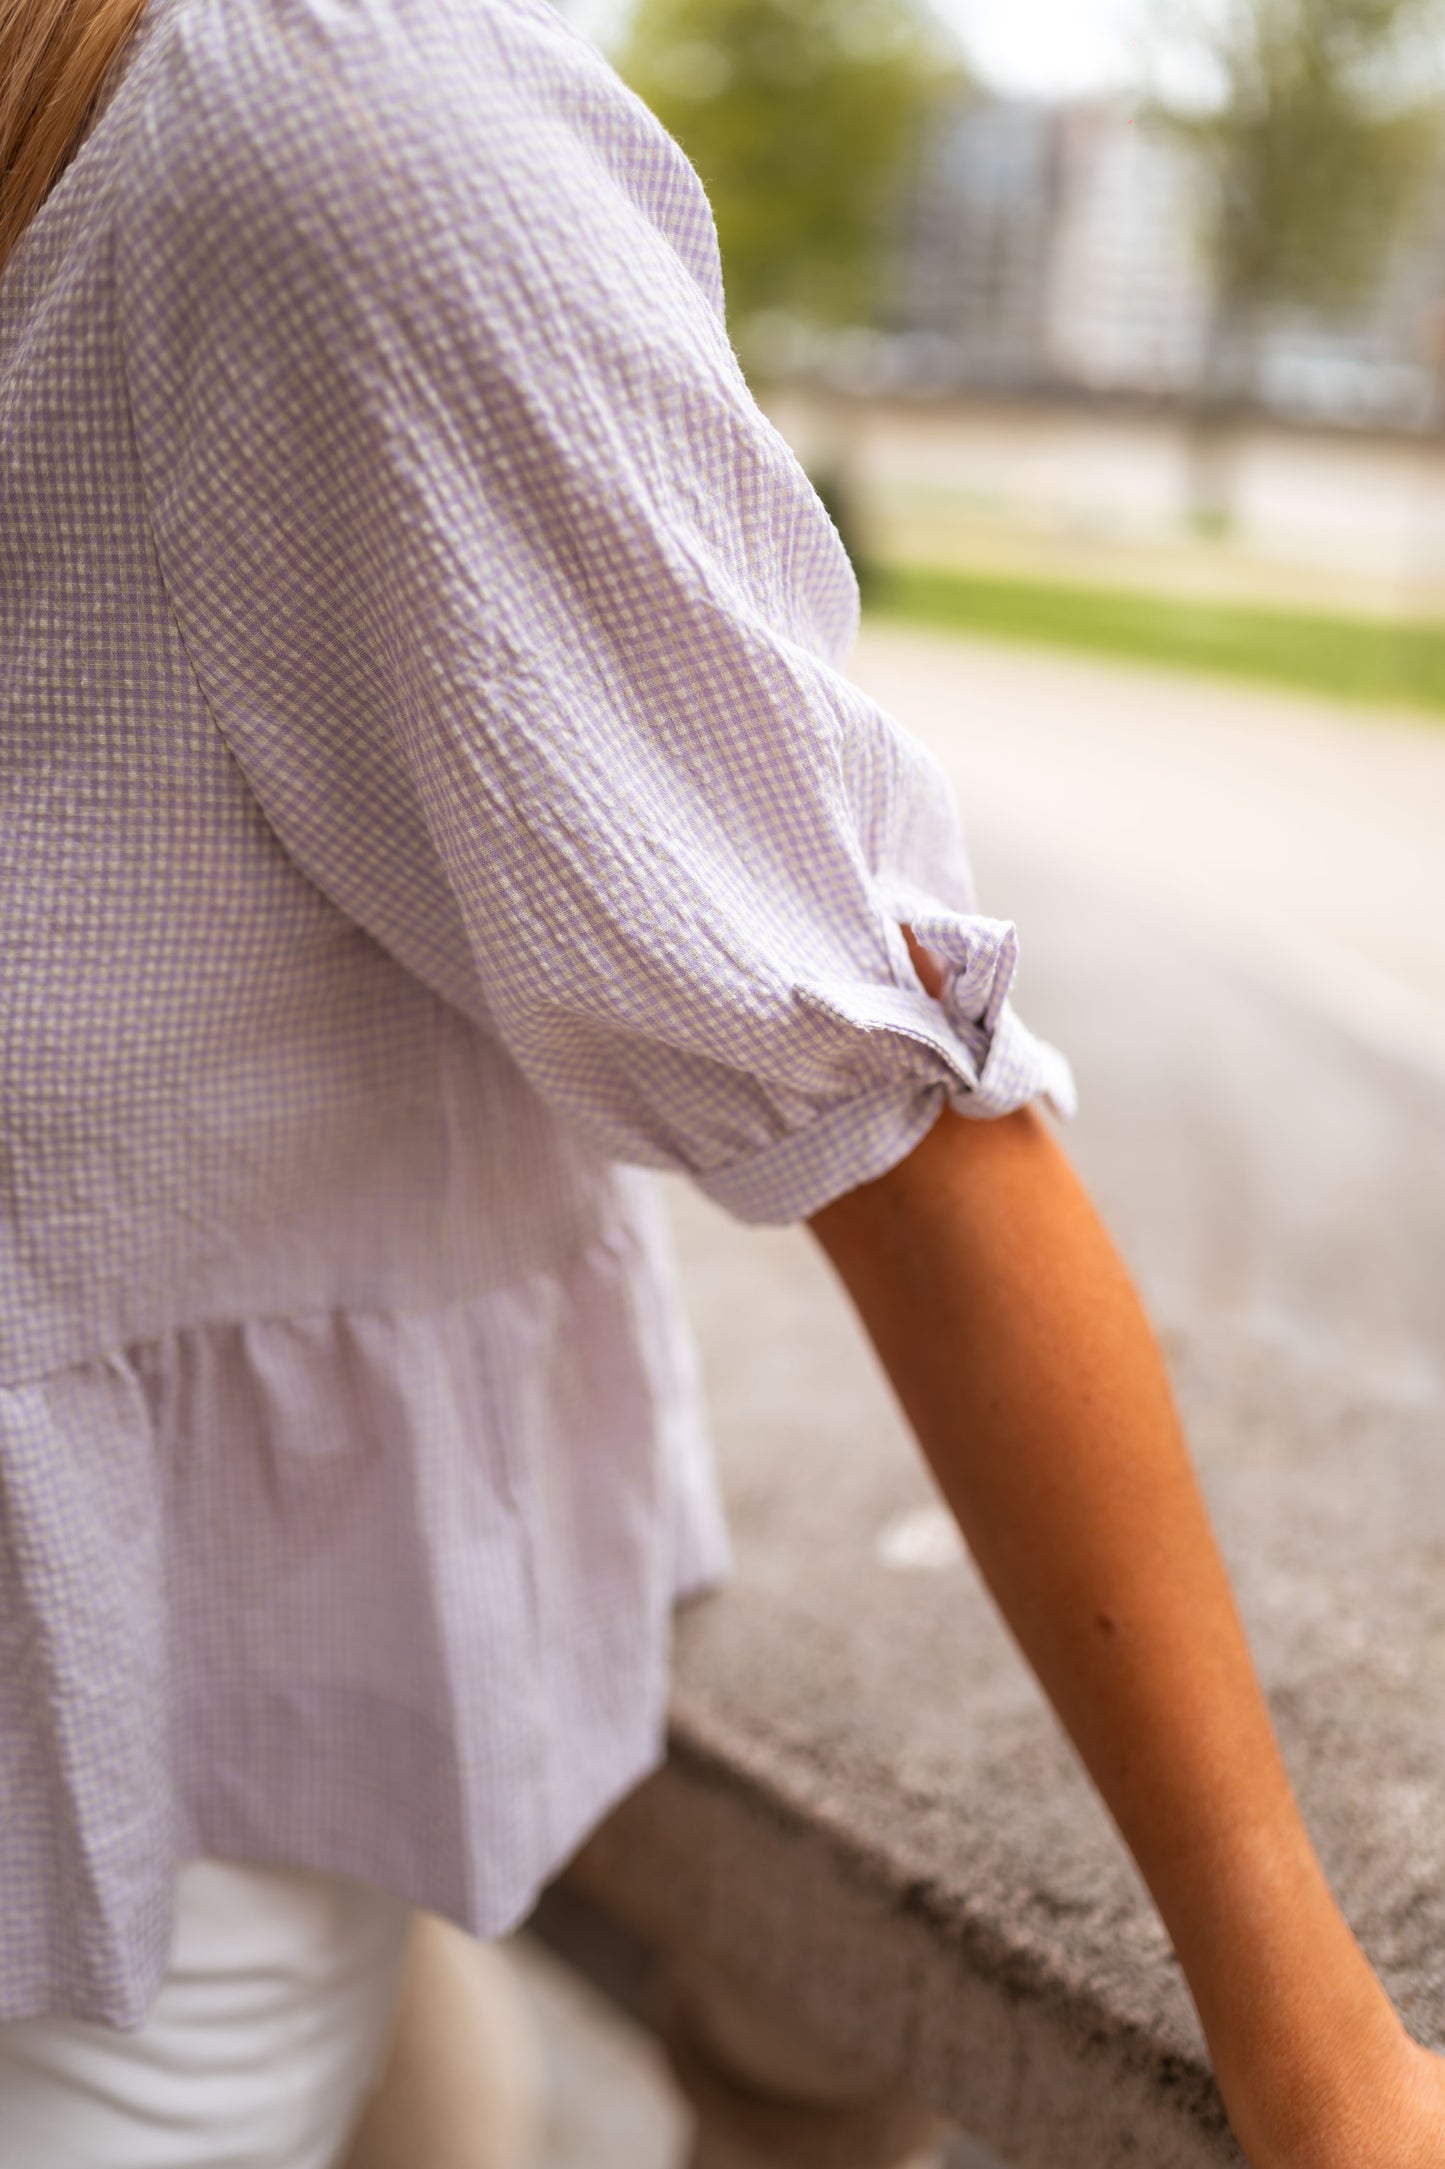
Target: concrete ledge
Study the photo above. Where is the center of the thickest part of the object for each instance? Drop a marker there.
(700, 1865)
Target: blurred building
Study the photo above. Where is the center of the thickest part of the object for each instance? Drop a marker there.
(974, 273)
(1129, 297)
(1057, 248)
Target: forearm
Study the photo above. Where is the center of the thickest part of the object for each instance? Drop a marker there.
(1022, 1357)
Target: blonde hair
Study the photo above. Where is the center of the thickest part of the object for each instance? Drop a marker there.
(54, 57)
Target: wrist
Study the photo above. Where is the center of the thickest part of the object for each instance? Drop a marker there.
(1340, 2096)
(1295, 2016)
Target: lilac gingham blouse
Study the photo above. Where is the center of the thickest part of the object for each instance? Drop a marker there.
(427, 783)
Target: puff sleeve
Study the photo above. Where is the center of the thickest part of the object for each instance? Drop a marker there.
(519, 617)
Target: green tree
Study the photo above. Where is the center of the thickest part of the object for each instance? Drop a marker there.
(1312, 156)
(801, 116)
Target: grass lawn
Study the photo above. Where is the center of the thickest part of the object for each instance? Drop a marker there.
(1348, 658)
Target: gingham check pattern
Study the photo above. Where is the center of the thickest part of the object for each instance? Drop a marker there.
(427, 782)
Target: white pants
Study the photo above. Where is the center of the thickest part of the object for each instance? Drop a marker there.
(258, 2053)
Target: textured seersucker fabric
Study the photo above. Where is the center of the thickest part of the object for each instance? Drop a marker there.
(426, 784)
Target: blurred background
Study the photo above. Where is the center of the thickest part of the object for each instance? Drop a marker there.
(1147, 294)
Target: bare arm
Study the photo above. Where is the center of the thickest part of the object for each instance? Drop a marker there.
(1023, 1360)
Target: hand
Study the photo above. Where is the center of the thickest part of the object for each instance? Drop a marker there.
(931, 969)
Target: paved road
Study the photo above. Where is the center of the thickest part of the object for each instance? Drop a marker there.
(1305, 841)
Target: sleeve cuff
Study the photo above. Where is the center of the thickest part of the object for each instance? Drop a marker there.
(853, 1143)
(985, 1062)
(1010, 1066)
